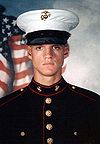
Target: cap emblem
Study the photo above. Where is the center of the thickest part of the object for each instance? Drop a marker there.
(45, 15)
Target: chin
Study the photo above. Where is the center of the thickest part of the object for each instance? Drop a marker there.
(48, 73)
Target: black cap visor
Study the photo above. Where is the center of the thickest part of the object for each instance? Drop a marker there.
(47, 37)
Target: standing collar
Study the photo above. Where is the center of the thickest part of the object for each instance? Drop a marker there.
(48, 90)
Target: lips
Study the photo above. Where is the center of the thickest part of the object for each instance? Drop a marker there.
(48, 64)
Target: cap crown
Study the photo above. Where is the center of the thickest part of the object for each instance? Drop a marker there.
(49, 19)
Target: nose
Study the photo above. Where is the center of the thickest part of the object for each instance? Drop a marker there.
(48, 53)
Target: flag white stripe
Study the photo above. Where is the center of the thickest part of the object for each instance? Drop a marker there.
(19, 53)
(17, 42)
(4, 77)
(4, 61)
(23, 66)
(22, 81)
(2, 92)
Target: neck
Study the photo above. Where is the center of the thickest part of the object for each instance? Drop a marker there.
(47, 80)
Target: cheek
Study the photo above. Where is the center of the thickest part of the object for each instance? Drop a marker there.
(60, 60)
(36, 60)
(61, 56)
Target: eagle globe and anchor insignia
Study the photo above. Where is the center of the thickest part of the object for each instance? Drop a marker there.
(45, 15)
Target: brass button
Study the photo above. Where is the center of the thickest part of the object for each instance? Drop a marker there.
(50, 141)
(48, 100)
(22, 133)
(21, 89)
(49, 126)
(48, 113)
(73, 87)
(75, 133)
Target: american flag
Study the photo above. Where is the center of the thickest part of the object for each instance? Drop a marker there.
(15, 68)
(22, 65)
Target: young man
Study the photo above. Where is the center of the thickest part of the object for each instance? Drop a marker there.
(49, 110)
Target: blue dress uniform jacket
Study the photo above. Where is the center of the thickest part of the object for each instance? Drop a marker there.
(59, 114)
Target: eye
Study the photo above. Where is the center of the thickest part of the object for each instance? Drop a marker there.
(38, 48)
(57, 47)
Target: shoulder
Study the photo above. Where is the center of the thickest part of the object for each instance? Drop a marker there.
(85, 93)
(11, 97)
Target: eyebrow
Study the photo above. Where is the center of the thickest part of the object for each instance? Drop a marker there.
(46, 44)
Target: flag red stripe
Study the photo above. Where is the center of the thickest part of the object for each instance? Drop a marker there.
(20, 60)
(18, 47)
(4, 86)
(23, 74)
(15, 38)
(5, 69)
(15, 88)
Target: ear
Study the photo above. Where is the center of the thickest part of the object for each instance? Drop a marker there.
(66, 51)
(29, 52)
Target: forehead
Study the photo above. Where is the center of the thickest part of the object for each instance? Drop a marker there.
(48, 45)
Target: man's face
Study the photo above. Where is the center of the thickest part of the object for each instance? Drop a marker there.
(47, 59)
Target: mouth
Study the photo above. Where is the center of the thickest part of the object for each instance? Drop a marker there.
(48, 64)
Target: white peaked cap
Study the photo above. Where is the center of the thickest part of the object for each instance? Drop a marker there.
(48, 19)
